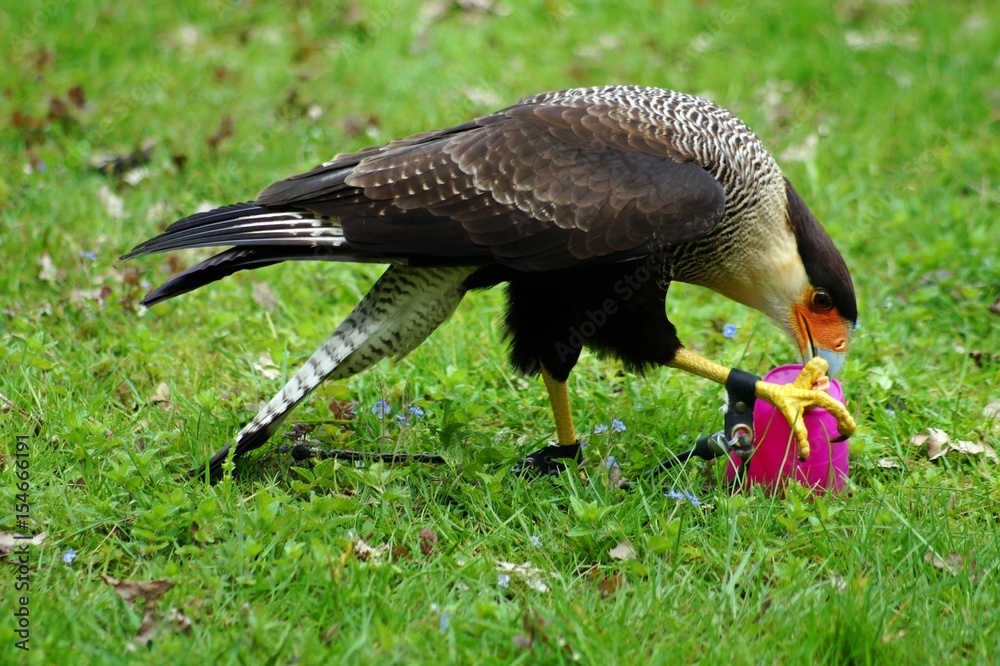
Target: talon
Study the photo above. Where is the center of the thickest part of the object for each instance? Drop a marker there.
(793, 399)
(544, 461)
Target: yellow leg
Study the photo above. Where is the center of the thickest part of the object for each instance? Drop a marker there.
(559, 398)
(701, 366)
(790, 399)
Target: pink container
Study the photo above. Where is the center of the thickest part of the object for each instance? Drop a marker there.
(775, 458)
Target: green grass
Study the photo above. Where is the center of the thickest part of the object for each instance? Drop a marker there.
(903, 100)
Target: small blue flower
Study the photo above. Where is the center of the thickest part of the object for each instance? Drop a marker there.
(69, 556)
(145, 284)
(503, 580)
(617, 426)
(89, 255)
(444, 621)
(402, 420)
(600, 429)
(416, 411)
(610, 462)
(536, 541)
(381, 409)
(728, 331)
(683, 497)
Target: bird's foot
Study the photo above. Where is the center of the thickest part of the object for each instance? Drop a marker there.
(544, 461)
(806, 392)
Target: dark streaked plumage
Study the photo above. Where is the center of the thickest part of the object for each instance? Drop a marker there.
(586, 202)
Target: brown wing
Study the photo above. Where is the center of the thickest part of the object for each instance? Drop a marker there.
(537, 186)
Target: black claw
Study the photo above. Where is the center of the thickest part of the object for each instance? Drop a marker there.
(543, 461)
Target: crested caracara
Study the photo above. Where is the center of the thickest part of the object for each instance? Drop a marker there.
(586, 203)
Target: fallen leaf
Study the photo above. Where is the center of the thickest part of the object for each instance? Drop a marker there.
(935, 441)
(8, 540)
(130, 591)
(178, 619)
(98, 295)
(951, 562)
(609, 586)
(161, 395)
(967, 447)
(427, 541)
(888, 638)
(343, 409)
(77, 97)
(992, 410)
(264, 296)
(365, 553)
(888, 463)
(59, 110)
(224, 132)
(623, 551)
(151, 621)
(266, 366)
(531, 576)
(48, 272)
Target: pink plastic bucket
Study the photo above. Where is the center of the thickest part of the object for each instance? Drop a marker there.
(775, 458)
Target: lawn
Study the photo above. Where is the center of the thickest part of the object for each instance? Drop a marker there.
(886, 116)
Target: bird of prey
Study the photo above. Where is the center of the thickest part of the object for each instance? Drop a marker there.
(586, 203)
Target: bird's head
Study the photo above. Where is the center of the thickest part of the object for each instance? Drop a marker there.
(820, 310)
(798, 278)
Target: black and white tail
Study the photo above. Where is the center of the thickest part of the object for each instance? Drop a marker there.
(403, 307)
(260, 236)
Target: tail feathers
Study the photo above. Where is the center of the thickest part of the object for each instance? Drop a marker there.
(404, 307)
(246, 224)
(215, 268)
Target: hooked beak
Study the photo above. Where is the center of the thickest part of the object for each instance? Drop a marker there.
(822, 334)
(834, 359)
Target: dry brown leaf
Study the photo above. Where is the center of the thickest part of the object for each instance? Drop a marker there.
(967, 447)
(146, 630)
(952, 562)
(151, 620)
(427, 541)
(8, 540)
(609, 586)
(264, 296)
(623, 551)
(161, 396)
(266, 366)
(179, 620)
(77, 96)
(130, 591)
(936, 443)
(365, 553)
(224, 132)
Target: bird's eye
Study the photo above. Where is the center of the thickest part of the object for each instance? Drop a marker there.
(821, 300)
